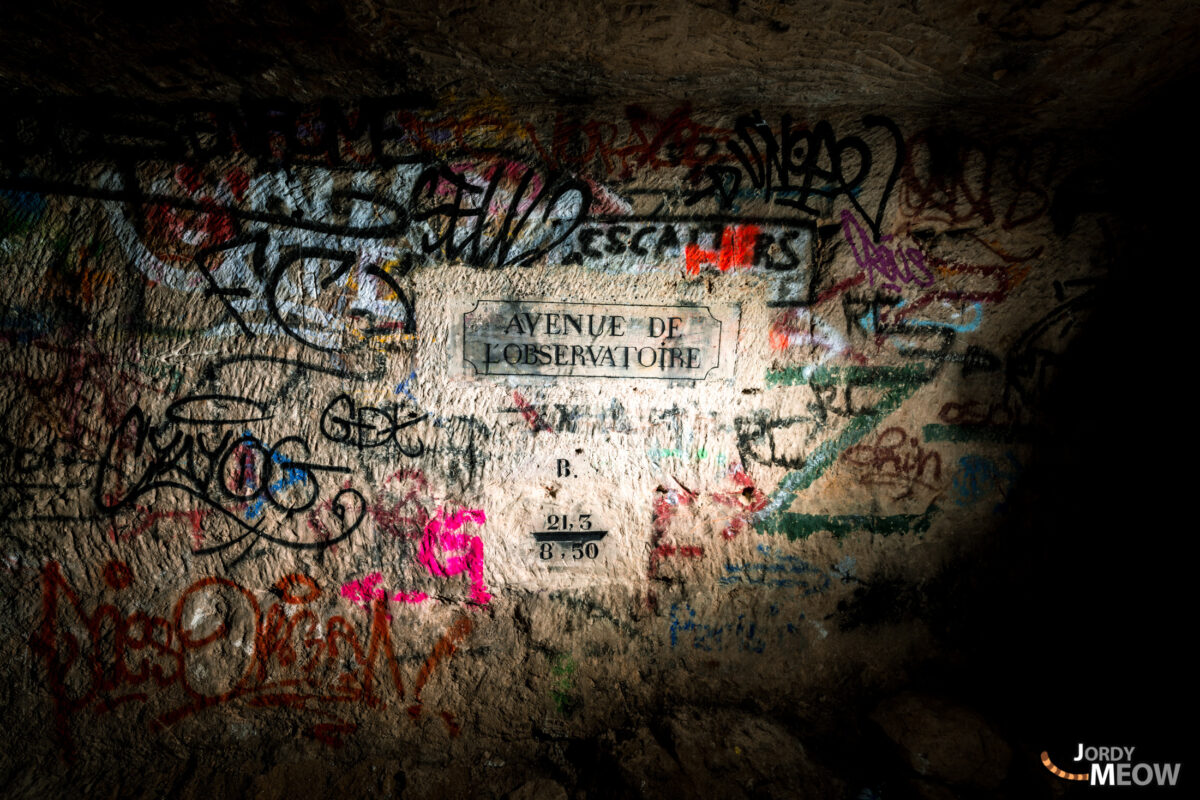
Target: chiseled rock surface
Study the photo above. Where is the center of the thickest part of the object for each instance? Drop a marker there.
(945, 740)
(431, 405)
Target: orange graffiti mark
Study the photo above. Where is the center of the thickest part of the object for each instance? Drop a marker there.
(104, 658)
(737, 250)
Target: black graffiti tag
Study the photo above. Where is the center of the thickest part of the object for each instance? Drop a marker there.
(804, 167)
(368, 427)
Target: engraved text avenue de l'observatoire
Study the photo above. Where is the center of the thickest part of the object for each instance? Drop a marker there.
(512, 337)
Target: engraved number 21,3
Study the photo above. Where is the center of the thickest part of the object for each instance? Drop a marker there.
(562, 522)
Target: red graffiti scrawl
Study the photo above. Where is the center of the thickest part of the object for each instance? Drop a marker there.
(218, 646)
(737, 250)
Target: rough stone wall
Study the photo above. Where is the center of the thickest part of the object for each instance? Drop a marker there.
(310, 486)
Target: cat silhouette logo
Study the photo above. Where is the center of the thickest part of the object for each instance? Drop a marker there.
(1114, 766)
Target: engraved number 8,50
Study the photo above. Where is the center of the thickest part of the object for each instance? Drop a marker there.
(578, 550)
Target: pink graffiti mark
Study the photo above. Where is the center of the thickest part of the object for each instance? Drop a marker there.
(174, 234)
(461, 552)
(406, 518)
(531, 415)
(438, 534)
(513, 172)
(666, 506)
(194, 517)
(747, 501)
(361, 593)
(319, 515)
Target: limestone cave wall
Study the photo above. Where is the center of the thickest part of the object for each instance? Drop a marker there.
(461, 441)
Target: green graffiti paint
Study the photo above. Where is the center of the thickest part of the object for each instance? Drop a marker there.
(898, 383)
(562, 669)
(976, 433)
(801, 526)
(883, 377)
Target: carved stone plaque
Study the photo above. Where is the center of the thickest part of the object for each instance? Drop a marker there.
(589, 340)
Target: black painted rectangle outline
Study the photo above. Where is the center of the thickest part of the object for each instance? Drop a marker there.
(720, 333)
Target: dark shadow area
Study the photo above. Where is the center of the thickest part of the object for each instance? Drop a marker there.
(1076, 618)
